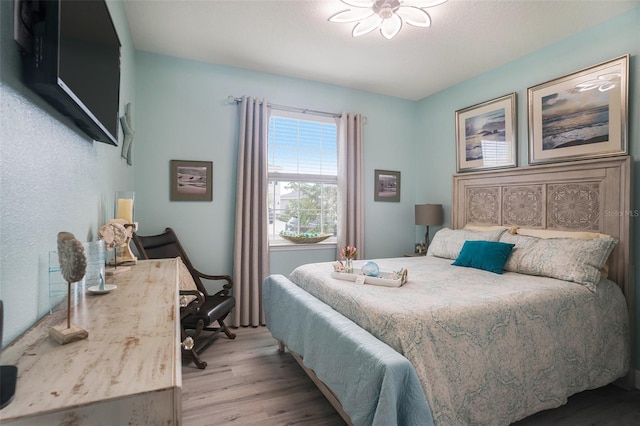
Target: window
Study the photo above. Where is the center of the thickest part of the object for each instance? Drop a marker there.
(302, 160)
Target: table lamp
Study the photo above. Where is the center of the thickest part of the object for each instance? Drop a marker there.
(429, 215)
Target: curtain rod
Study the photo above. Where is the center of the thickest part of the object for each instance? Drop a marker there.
(232, 98)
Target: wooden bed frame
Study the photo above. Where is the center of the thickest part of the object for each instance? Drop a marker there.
(586, 196)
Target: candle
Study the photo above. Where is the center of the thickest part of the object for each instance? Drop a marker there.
(125, 209)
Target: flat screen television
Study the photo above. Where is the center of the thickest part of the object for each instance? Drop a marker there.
(75, 63)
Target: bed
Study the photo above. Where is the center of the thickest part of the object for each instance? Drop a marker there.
(463, 345)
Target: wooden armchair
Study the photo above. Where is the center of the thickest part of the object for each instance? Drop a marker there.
(198, 309)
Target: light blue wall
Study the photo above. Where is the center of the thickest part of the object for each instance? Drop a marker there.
(182, 114)
(52, 178)
(436, 114)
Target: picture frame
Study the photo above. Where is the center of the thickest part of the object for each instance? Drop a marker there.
(191, 180)
(486, 135)
(387, 186)
(580, 115)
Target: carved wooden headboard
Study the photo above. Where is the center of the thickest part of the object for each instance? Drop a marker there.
(590, 195)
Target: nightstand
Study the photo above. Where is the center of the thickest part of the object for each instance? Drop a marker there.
(414, 254)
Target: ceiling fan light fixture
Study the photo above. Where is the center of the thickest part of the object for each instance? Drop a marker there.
(415, 16)
(367, 25)
(390, 27)
(350, 15)
(359, 3)
(387, 15)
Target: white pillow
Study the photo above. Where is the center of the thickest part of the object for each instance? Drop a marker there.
(447, 242)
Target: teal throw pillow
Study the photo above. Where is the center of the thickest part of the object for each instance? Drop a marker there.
(487, 255)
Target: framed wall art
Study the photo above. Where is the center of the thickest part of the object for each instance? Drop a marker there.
(581, 115)
(387, 186)
(486, 135)
(191, 180)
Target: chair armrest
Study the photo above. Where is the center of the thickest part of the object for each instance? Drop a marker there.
(199, 296)
(225, 288)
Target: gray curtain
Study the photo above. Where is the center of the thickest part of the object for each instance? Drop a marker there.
(251, 251)
(350, 184)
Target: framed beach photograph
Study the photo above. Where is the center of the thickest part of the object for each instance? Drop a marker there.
(581, 115)
(387, 186)
(486, 135)
(191, 180)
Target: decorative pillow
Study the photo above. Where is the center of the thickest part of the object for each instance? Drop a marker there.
(447, 242)
(521, 244)
(580, 235)
(567, 259)
(487, 255)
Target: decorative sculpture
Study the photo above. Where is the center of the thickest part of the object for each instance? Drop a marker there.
(73, 265)
(117, 234)
(127, 128)
(338, 266)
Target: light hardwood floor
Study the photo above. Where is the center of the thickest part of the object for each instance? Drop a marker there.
(248, 382)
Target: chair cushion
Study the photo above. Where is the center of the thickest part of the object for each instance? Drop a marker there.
(215, 307)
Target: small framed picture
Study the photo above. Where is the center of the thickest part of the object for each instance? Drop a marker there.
(581, 115)
(387, 186)
(191, 180)
(486, 135)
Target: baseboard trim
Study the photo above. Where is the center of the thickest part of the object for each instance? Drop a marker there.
(637, 379)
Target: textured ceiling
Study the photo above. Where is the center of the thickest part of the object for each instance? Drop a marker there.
(294, 38)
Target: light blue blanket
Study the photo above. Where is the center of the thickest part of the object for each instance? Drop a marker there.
(374, 383)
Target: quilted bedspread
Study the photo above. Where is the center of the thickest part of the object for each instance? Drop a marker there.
(488, 349)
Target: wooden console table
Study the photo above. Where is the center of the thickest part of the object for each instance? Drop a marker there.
(128, 371)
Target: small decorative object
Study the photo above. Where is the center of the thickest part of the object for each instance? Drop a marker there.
(349, 266)
(486, 135)
(400, 275)
(581, 115)
(73, 265)
(125, 214)
(385, 279)
(304, 238)
(95, 276)
(116, 235)
(188, 343)
(371, 269)
(191, 181)
(387, 186)
(127, 128)
(339, 267)
(349, 253)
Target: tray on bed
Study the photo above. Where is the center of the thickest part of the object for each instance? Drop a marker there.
(384, 278)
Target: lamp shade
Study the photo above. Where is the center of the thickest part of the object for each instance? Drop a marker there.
(429, 214)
